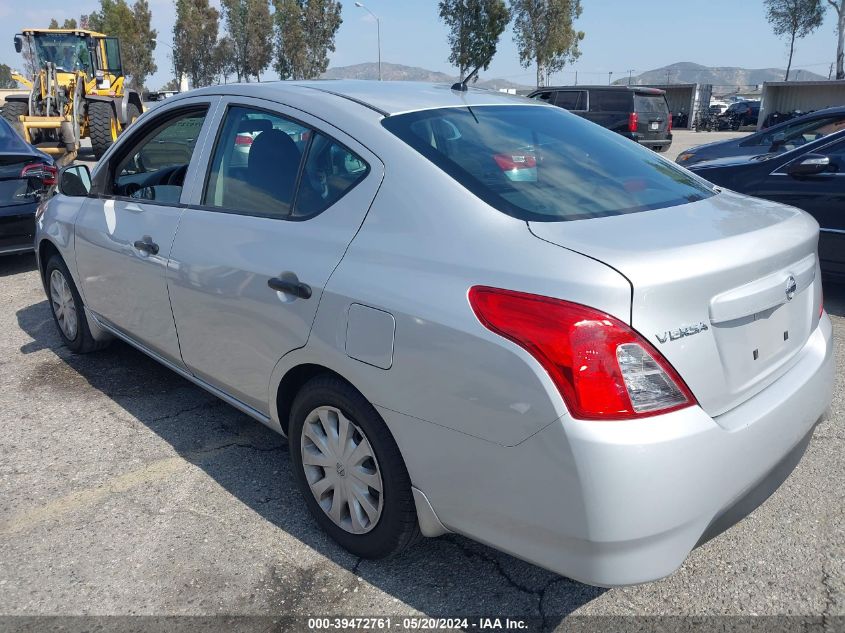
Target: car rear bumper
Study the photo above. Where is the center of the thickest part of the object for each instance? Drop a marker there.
(655, 142)
(619, 503)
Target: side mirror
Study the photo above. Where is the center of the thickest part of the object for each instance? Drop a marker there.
(809, 165)
(18, 43)
(75, 181)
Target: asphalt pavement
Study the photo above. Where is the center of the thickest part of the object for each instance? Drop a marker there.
(126, 490)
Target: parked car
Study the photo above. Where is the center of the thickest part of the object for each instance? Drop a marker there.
(468, 312)
(739, 114)
(777, 139)
(810, 176)
(641, 114)
(26, 174)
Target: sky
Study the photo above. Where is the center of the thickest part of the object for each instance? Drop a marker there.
(621, 35)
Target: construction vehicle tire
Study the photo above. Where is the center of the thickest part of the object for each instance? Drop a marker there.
(103, 127)
(12, 111)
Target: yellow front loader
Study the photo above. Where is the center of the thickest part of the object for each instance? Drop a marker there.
(77, 91)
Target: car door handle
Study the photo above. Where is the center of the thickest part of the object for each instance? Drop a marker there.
(290, 286)
(147, 246)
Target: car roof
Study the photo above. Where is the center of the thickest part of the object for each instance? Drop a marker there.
(386, 97)
(641, 89)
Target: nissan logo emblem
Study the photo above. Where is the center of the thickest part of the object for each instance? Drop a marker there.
(791, 287)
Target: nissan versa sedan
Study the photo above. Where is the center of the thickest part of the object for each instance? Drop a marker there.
(468, 312)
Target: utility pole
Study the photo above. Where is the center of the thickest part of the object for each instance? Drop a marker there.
(576, 77)
(668, 73)
(830, 72)
(609, 75)
(630, 70)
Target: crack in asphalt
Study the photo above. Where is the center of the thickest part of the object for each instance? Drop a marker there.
(827, 611)
(540, 594)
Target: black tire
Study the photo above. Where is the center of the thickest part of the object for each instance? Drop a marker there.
(12, 110)
(132, 113)
(102, 124)
(397, 528)
(82, 342)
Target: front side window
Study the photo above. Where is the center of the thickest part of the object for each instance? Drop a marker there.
(571, 99)
(543, 164)
(155, 167)
(798, 133)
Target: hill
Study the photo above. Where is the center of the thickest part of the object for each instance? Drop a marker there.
(400, 72)
(688, 72)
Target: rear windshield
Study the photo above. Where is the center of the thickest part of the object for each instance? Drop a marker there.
(653, 104)
(544, 164)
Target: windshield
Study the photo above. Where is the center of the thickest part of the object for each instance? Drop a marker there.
(544, 164)
(67, 51)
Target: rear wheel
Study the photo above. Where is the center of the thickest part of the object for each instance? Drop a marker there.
(102, 126)
(67, 308)
(350, 471)
(12, 111)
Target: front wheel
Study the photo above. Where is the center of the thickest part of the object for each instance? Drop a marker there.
(103, 127)
(67, 308)
(350, 471)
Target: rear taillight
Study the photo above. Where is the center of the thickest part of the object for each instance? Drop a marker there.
(243, 139)
(45, 173)
(669, 129)
(602, 368)
(633, 121)
(507, 162)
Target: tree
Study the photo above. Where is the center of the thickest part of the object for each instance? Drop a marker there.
(195, 41)
(224, 59)
(544, 34)
(474, 30)
(69, 23)
(304, 35)
(6, 80)
(251, 33)
(839, 8)
(794, 18)
(137, 37)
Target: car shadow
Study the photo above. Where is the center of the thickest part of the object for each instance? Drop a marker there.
(442, 577)
(16, 264)
(834, 297)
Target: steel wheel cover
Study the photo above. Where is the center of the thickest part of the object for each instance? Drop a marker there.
(341, 469)
(61, 300)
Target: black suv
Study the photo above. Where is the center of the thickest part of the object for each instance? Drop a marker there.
(641, 114)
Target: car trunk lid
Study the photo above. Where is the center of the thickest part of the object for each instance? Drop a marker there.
(725, 287)
(17, 188)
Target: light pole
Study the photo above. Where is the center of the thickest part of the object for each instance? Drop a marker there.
(360, 5)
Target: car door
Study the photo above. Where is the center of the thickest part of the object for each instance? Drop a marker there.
(125, 231)
(822, 195)
(257, 246)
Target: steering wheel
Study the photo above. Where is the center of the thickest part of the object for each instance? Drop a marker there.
(130, 189)
(177, 176)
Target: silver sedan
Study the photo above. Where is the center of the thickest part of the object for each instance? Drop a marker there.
(468, 312)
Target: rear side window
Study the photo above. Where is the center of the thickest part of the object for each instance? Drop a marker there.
(651, 104)
(265, 164)
(330, 171)
(571, 99)
(611, 101)
(543, 164)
